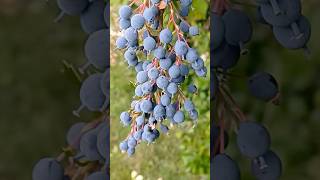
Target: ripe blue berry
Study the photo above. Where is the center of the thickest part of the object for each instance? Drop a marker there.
(149, 43)
(125, 118)
(184, 27)
(188, 105)
(153, 73)
(174, 71)
(165, 36)
(193, 30)
(165, 64)
(131, 151)
(178, 117)
(172, 88)
(142, 77)
(162, 82)
(150, 14)
(125, 12)
(137, 21)
(146, 106)
(159, 53)
(124, 24)
(263, 86)
(121, 43)
(165, 100)
(123, 146)
(192, 55)
(180, 48)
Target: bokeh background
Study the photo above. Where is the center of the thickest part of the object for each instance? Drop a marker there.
(294, 125)
(184, 154)
(38, 93)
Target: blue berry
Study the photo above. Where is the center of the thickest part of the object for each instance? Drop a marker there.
(142, 77)
(184, 70)
(184, 11)
(150, 137)
(138, 91)
(146, 128)
(137, 107)
(146, 106)
(201, 72)
(253, 139)
(194, 30)
(132, 143)
(123, 146)
(156, 133)
(162, 82)
(131, 34)
(121, 43)
(165, 36)
(178, 117)
(133, 103)
(149, 43)
(193, 114)
(170, 111)
(152, 120)
(133, 44)
(138, 67)
(180, 48)
(164, 128)
(159, 53)
(125, 12)
(124, 24)
(137, 21)
(159, 112)
(263, 86)
(133, 62)
(131, 151)
(145, 64)
(165, 64)
(198, 64)
(172, 88)
(184, 27)
(178, 80)
(188, 105)
(174, 71)
(146, 88)
(150, 14)
(130, 54)
(138, 135)
(192, 88)
(165, 100)
(192, 55)
(153, 73)
(140, 120)
(125, 118)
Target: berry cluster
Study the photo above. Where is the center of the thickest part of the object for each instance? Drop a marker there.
(231, 29)
(162, 62)
(86, 155)
(290, 28)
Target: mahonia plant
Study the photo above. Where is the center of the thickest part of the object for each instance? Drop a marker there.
(86, 155)
(155, 42)
(231, 29)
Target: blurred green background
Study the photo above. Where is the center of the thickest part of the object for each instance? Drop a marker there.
(294, 125)
(184, 154)
(37, 94)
